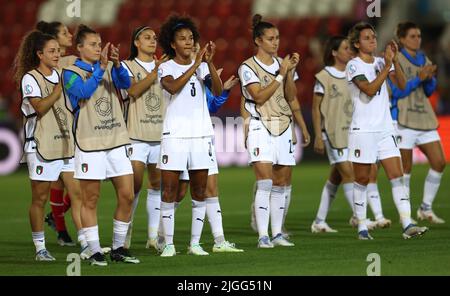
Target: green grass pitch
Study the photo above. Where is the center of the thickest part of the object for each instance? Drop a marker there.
(314, 254)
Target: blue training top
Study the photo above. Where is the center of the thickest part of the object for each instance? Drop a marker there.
(77, 89)
(429, 86)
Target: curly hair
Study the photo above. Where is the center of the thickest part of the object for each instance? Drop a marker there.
(170, 27)
(27, 58)
(355, 32)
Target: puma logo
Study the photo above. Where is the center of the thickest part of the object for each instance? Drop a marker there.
(167, 217)
(264, 208)
(361, 204)
(201, 220)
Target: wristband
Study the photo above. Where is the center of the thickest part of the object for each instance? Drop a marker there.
(279, 78)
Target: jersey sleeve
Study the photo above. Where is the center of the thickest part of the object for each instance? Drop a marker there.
(164, 70)
(30, 87)
(354, 69)
(318, 88)
(203, 71)
(247, 76)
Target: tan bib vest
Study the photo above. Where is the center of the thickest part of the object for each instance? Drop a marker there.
(415, 111)
(275, 113)
(100, 125)
(336, 109)
(53, 130)
(66, 61)
(144, 115)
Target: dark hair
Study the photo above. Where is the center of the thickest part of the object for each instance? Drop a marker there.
(135, 36)
(259, 26)
(170, 27)
(403, 28)
(49, 28)
(27, 58)
(354, 34)
(333, 43)
(82, 31)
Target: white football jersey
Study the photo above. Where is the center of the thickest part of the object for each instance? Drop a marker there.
(371, 114)
(187, 114)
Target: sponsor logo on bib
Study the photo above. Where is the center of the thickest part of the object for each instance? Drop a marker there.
(103, 106)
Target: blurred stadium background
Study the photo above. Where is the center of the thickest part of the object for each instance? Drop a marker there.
(304, 26)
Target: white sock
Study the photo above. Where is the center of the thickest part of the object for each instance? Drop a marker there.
(82, 238)
(401, 200)
(360, 205)
(214, 214)
(262, 206)
(168, 221)
(120, 229)
(160, 228)
(287, 202)
(38, 240)
(92, 239)
(198, 219)
(153, 211)
(327, 197)
(348, 192)
(277, 202)
(373, 197)
(406, 181)
(431, 187)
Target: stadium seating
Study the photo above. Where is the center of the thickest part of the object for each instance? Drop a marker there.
(228, 22)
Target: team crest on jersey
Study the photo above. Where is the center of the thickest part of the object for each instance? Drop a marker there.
(357, 153)
(28, 89)
(256, 151)
(152, 102)
(103, 106)
(266, 79)
(39, 170)
(84, 167)
(340, 152)
(139, 76)
(130, 151)
(165, 159)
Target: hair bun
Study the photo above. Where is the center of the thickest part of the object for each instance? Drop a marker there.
(257, 18)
